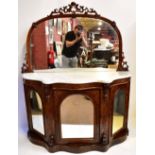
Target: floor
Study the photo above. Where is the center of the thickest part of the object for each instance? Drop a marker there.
(27, 148)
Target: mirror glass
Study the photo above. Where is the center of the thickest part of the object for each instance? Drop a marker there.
(118, 110)
(77, 117)
(74, 42)
(37, 112)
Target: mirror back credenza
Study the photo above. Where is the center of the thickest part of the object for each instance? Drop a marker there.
(82, 108)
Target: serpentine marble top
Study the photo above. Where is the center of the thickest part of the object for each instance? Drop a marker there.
(76, 75)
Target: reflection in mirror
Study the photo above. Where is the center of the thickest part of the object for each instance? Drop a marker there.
(36, 110)
(63, 43)
(77, 117)
(118, 111)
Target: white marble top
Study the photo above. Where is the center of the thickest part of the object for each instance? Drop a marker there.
(76, 75)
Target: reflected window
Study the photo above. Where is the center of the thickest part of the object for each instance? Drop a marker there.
(77, 117)
(36, 110)
(118, 111)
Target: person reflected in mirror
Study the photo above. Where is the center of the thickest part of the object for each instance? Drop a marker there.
(73, 41)
(51, 57)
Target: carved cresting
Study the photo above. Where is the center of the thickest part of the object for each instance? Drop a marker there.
(73, 8)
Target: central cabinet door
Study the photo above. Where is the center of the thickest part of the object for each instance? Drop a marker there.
(77, 112)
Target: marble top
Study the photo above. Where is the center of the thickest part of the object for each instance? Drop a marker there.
(76, 75)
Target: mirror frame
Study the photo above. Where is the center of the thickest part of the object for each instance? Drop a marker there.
(73, 10)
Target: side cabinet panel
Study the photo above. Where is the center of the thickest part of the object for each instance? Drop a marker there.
(119, 101)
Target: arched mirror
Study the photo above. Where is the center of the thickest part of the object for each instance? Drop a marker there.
(77, 117)
(74, 36)
(36, 111)
(99, 46)
(118, 111)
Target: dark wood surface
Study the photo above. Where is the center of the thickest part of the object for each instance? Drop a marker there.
(79, 11)
(102, 96)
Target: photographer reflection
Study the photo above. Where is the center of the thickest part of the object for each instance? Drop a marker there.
(73, 41)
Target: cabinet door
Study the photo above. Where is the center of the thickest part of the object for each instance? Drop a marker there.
(77, 115)
(119, 104)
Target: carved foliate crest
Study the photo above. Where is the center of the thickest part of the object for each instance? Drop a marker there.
(73, 8)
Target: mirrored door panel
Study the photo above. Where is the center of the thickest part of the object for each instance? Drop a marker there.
(77, 117)
(37, 112)
(118, 110)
